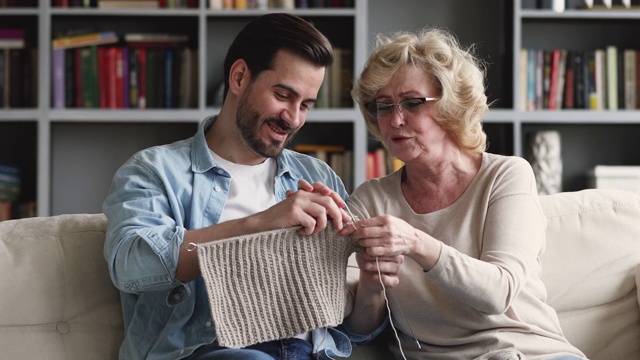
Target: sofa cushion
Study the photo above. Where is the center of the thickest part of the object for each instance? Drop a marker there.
(58, 302)
(593, 248)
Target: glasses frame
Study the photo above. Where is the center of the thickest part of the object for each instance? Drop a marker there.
(398, 105)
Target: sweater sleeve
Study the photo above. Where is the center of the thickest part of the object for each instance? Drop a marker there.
(509, 236)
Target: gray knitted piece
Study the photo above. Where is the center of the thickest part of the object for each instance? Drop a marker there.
(275, 284)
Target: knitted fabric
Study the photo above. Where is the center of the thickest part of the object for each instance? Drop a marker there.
(275, 284)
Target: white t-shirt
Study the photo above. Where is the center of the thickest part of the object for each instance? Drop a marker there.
(252, 188)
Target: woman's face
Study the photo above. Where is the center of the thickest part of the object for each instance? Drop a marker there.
(411, 136)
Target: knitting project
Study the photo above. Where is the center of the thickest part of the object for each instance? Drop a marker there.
(275, 284)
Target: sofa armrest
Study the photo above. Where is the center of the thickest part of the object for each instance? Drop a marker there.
(57, 299)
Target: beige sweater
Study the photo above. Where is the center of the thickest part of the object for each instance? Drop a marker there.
(485, 292)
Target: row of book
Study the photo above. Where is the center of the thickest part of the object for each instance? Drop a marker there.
(561, 5)
(596, 79)
(213, 4)
(335, 91)
(18, 78)
(126, 4)
(278, 4)
(18, 3)
(149, 71)
(338, 157)
(18, 70)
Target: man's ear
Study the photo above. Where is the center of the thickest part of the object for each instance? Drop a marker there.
(239, 76)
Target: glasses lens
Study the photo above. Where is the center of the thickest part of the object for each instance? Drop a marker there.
(413, 105)
(380, 110)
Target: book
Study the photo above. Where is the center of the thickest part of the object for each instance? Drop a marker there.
(12, 38)
(188, 81)
(554, 79)
(531, 80)
(128, 4)
(69, 78)
(58, 88)
(562, 73)
(3, 82)
(133, 75)
(629, 79)
(580, 91)
(11, 43)
(82, 40)
(569, 82)
(546, 77)
(89, 71)
(599, 103)
(142, 78)
(637, 81)
(539, 78)
(611, 64)
(522, 79)
(155, 40)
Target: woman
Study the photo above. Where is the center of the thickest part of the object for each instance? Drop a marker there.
(468, 223)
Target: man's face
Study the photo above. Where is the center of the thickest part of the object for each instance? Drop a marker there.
(275, 105)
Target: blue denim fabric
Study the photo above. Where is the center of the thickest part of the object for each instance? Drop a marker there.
(286, 349)
(154, 198)
(363, 338)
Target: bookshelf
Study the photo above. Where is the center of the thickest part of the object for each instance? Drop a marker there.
(500, 29)
(68, 155)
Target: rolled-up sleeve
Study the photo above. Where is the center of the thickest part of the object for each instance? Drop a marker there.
(143, 235)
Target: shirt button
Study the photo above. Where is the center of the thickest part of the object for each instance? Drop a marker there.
(217, 188)
(207, 324)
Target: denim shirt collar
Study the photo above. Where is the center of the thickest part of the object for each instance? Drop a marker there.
(202, 161)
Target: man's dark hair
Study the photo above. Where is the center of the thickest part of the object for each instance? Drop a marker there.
(259, 42)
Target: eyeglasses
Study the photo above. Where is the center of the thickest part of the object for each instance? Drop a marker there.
(380, 110)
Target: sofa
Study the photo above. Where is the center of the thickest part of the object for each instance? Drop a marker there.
(57, 301)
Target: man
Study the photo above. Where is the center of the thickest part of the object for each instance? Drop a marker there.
(233, 178)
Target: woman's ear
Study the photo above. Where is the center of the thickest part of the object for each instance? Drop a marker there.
(239, 76)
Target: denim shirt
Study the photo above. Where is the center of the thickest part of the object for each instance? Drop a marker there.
(154, 198)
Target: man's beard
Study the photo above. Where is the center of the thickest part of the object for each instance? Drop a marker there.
(249, 122)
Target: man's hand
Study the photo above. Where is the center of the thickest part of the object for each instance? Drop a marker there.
(309, 207)
(339, 218)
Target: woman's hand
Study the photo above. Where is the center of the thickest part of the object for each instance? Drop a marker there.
(378, 271)
(388, 235)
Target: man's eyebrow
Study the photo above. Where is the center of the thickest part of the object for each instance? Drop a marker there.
(294, 92)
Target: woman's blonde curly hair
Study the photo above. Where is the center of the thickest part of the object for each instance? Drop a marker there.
(457, 74)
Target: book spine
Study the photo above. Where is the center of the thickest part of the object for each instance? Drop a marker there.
(554, 79)
(58, 71)
(118, 90)
(3, 71)
(611, 62)
(629, 79)
(125, 78)
(84, 40)
(133, 78)
(70, 80)
(142, 78)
